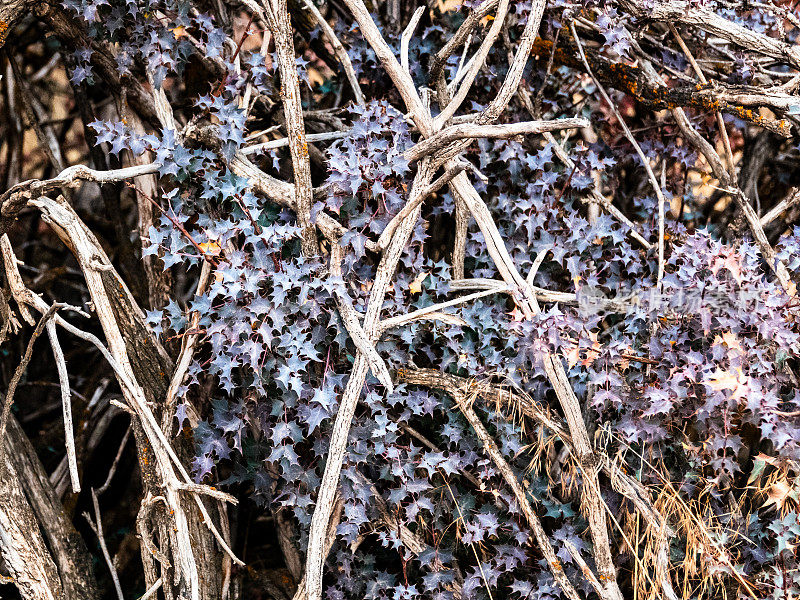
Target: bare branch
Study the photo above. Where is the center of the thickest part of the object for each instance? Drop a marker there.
(338, 50)
(388, 232)
(679, 11)
(490, 447)
(401, 79)
(14, 199)
(442, 139)
(281, 27)
(315, 555)
(405, 39)
(435, 309)
(66, 405)
(780, 208)
(459, 37)
(558, 379)
(645, 162)
(519, 402)
(23, 365)
(97, 526)
(475, 65)
(283, 142)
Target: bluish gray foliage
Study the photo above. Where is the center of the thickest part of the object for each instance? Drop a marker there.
(714, 397)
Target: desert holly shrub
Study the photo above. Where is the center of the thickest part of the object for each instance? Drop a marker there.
(684, 365)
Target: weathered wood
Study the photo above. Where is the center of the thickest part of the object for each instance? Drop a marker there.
(191, 562)
(21, 544)
(281, 26)
(72, 559)
(10, 13)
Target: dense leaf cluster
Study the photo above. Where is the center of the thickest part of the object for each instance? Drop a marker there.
(690, 383)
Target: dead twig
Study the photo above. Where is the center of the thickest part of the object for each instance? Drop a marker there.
(277, 16)
(66, 405)
(20, 370)
(464, 404)
(114, 464)
(96, 524)
(338, 50)
(468, 131)
(645, 162)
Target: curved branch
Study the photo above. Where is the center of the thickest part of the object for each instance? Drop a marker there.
(468, 131)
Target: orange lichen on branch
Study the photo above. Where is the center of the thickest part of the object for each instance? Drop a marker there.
(632, 81)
